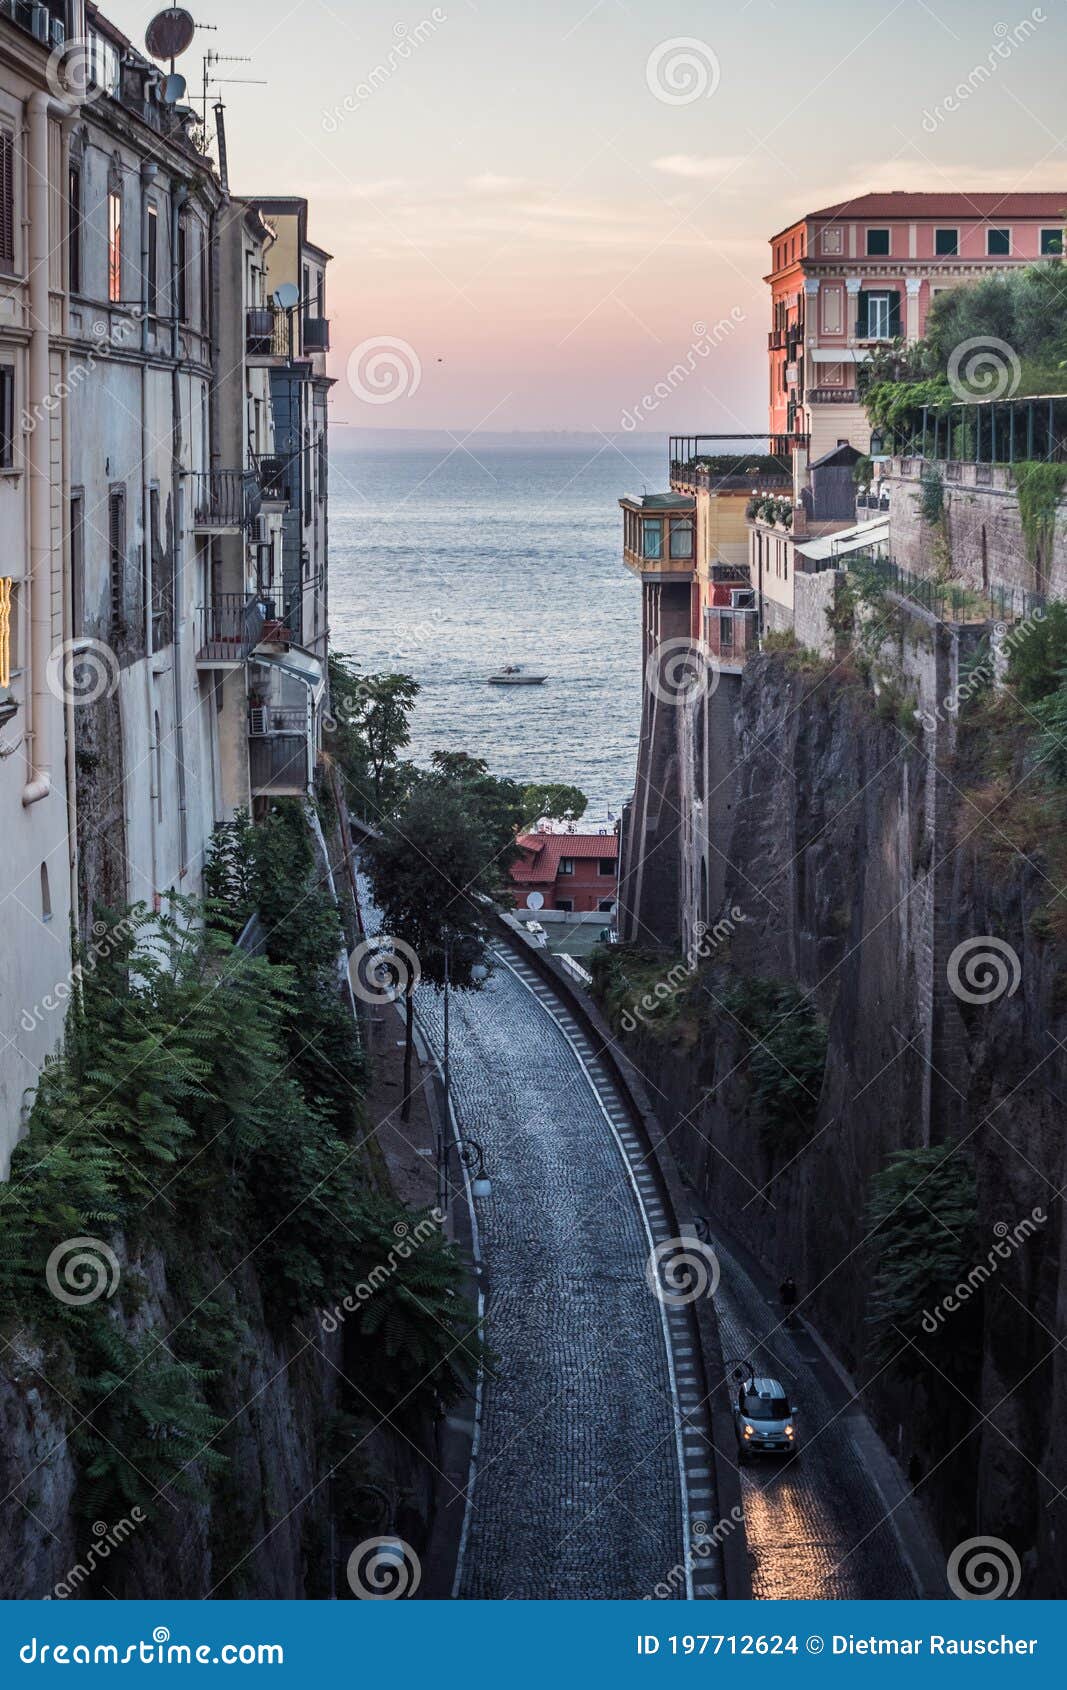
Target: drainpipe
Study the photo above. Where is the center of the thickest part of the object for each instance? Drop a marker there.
(179, 196)
(149, 172)
(38, 737)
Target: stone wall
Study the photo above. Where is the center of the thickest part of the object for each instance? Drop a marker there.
(814, 598)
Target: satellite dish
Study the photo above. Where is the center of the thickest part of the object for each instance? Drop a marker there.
(174, 87)
(287, 296)
(535, 900)
(170, 33)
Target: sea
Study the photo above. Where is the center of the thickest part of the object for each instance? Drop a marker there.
(447, 563)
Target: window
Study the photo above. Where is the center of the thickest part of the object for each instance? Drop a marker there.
(879, 316)
(566, 865)
(320, 293)
(205, 275)
(606, 906)
(565, 905)
(152, 276)
(9, 621)
(114, 247)
(756, 1407)
(7, 198)
(74, 229)
(1051, 243)
(323, 466)
(652, 538)
(46, 894)
(606, 865)
(116, 540)
(76, 519)
(877, 243)
(305, 291)
(946, 242)
(7, 416)
(682, 538)
(998, 243)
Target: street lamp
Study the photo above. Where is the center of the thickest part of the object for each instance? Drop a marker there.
(472, 1155)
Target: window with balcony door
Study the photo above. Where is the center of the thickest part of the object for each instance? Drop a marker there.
(878, 243)
(998, 243)
(652, 539)
(879, 316)
(946, 243)
(74, 229)
(152, 262)
(681, 541)
(114, 247)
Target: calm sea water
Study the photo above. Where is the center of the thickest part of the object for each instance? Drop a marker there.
(448, 567)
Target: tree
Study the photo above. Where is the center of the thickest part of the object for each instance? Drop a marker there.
(368, 727)
(427, 870)
(495, 801)
(553, 800)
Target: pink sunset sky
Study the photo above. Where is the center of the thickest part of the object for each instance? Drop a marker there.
(550, 205)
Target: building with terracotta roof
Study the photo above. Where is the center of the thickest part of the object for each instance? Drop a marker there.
(572, 873)
(852, 276)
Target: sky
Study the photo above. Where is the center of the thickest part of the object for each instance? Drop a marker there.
(537, 210)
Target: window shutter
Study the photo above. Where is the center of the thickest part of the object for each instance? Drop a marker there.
(117, 557)
(894, 315)
(7, 197)
(861, 320)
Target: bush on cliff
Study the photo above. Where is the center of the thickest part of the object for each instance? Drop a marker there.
(785, 1041)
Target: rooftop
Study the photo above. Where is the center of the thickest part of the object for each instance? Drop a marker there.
(540, 865)
(901, 202)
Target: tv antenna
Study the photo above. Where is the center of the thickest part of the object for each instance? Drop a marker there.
(211, 59)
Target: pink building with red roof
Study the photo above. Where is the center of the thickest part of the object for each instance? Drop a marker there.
(852, 276)
(575, 873)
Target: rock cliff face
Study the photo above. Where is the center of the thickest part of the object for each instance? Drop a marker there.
(860, 863)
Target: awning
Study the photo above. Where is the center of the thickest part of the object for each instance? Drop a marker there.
(302, 665)
(846, 540)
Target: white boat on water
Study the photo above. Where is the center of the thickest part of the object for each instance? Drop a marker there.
(514, 675)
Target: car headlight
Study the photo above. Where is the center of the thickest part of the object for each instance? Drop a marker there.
(790, 1431)
(748, 1432)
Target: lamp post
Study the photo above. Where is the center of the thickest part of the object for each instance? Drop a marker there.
(444, 1126)
(472, 1155)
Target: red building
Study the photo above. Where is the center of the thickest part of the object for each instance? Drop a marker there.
(573, 872)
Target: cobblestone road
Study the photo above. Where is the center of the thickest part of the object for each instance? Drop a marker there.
(577, 1491)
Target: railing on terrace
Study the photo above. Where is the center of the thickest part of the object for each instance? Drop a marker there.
(834, 395)
(949, 603)
(231, 625)
(224, 499)
(988, 431)
(278, 749)
(725, 463)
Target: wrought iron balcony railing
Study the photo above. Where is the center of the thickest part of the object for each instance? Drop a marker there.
(278, 750)
(224, 500)
(316, 334)
(276, 471)
(267, 332)
(232, 625)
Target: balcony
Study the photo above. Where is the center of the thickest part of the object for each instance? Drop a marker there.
(316, 334)
(833, 396)
(267, 332)
(278, 751)
(224, 501)
(231, 625)
(276, 477)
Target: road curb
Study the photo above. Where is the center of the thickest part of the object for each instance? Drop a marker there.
(734, 1547)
